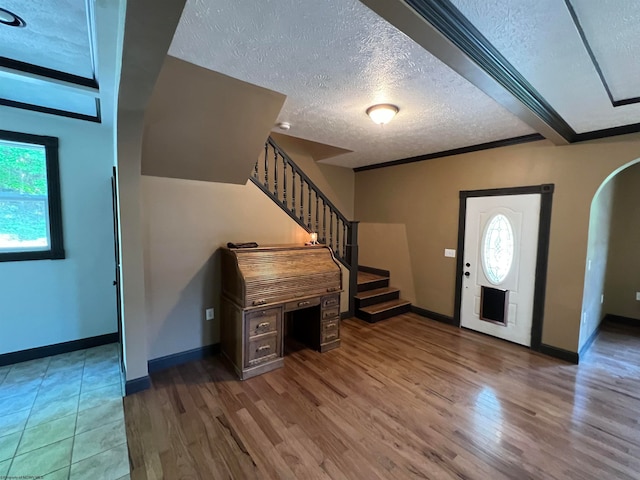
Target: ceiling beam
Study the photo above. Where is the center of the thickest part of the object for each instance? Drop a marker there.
(442, 30)
(41, 81)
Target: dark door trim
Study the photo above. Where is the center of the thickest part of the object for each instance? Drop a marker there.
(116, 245)
(542, 257)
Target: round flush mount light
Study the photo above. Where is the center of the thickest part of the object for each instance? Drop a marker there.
(11, 19)
(382, 113)
(283, 126)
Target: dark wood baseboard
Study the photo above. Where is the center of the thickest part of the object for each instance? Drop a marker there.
(562, 354)
(622, 320)
(137, 385)
(57, 349)
(162, 363)
(375, 271)
(345, 315)
(433, 315)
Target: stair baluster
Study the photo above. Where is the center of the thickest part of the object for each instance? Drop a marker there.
(342, 237)
(293, 197)
(275, 173)
(284, 185)
(266, 166)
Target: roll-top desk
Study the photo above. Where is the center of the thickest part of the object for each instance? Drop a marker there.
(265, 287)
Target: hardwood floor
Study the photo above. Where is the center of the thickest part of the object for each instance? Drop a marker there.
(404, 398)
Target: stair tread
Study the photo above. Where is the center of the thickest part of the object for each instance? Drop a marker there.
(365, 277)
(381, 307)
(375, 292)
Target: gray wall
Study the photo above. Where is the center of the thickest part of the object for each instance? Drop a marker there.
(51, 301)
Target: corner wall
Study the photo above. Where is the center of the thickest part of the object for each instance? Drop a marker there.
(597, 252)
(424, 196)
(45, 302)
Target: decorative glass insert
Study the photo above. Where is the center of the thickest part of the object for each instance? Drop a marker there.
(497, 249)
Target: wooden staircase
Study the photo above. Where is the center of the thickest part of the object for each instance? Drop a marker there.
(375, 299)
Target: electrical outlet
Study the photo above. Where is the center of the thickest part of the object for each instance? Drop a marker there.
(449, 252)
(638, 296)
(602, 298)
(209, 313)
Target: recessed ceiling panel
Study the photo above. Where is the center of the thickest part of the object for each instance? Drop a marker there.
(57, 35)
(611, 31)
(333, 59)
(540, 39)
(48, 96)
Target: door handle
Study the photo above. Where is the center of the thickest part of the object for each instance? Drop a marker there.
(466, 274)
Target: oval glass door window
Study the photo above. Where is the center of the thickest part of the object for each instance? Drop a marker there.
(497, 249)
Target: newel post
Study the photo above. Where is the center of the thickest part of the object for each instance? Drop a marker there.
(352, 260)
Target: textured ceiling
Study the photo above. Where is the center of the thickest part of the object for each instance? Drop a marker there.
(56, 35)
(333, 59)
(540, 39)
(611, 29)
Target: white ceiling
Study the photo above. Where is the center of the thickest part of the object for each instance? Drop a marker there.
(333, 59)
(611, 28)
(68, 45)
(539, 38)
(57, 35)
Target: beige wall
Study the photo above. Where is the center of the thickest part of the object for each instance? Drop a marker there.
(424, 196)
(597, 251)
(185, 222)
(623, 277)
(202, 125)
(389, 251)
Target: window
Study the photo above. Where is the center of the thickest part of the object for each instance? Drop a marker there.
(498, 249)
(30, 213)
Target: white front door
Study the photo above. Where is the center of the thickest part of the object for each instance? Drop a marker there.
(500, 252)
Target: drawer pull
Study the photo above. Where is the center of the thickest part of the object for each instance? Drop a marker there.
(328, 314)
(262, 325)
(263, 348)
(331, 325)
(259, 302)
(331, 336)
(304, 304)
(330, 303)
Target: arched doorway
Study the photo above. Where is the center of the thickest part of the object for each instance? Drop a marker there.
(612, 264)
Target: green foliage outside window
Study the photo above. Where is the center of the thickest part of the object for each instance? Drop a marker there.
(23, 169)
(23, 193)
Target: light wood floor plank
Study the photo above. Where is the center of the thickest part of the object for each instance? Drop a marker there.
(405, 398)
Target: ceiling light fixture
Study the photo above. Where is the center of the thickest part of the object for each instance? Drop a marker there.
(382, 113)
(11, 19)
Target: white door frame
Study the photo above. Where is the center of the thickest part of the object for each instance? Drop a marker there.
(546, 197)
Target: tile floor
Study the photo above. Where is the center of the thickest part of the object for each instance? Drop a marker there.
(61, 417)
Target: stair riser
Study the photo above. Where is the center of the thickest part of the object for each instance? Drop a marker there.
(363, 287)
(384, 297)
(391, 312)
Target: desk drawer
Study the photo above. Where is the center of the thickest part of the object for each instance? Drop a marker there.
(329, 335)
(262, 349)
(333, 324)
(329, 301)
(330, 313)
(262, 321)
(298, 304)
